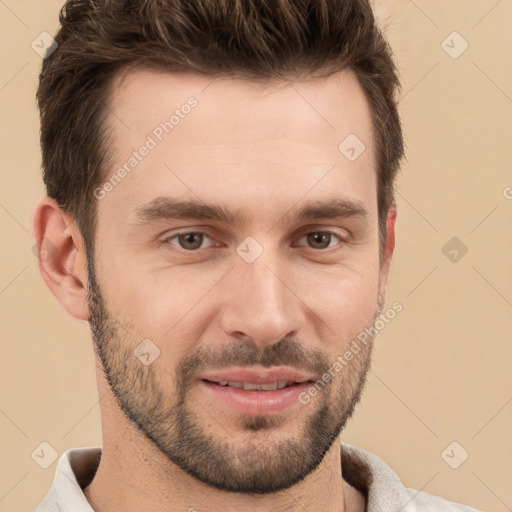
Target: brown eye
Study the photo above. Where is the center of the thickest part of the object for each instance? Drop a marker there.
(190, 241)
(320, 239)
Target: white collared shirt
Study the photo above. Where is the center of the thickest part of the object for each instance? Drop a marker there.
(383, 489)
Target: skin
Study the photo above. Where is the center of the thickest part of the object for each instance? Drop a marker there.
(263, 149)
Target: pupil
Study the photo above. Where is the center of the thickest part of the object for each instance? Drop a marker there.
(189, 239)
(319, 238)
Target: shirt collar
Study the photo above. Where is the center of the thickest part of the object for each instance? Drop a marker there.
(364, 471)
(74, 472)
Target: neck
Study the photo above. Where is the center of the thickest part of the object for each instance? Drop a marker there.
(134, 475)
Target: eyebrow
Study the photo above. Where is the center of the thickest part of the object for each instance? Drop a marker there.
(167, 208)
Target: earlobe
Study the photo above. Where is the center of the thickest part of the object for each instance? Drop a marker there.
(61, 256)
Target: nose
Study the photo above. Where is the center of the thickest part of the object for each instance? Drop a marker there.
(259, 302)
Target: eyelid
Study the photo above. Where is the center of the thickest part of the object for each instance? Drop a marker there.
(168, 238)
(343, 234)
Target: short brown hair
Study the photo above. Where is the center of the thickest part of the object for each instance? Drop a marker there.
(251, 39)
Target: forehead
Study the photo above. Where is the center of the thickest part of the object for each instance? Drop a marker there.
(336, 102)
(209, 137)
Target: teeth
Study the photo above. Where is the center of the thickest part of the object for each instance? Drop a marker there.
(249, 386)
(269, 386)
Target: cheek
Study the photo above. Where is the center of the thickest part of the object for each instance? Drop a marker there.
(346, 303)
(161, 304)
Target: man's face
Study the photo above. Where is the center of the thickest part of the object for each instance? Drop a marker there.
(273, 290)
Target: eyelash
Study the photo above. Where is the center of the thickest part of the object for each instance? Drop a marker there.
(167, 241)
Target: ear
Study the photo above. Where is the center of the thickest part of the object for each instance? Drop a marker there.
(390, 247)
(61, 256)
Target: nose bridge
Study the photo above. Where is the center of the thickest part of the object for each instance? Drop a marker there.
(264, 287)
(261, 304)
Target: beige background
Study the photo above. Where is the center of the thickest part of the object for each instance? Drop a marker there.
(442, 369)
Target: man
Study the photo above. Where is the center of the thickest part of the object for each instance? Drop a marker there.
(220, 210)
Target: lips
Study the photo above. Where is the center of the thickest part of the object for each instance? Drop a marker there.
(256, 391)
(254, 378)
